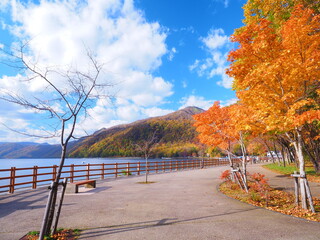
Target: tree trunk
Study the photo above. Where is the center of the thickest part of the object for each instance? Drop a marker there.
(52, 198)
(276, 151)
(147, 170)
(297, 143)
(244, 162)
(269, 150)
(314, 158)
(231, 165)
(312, 146)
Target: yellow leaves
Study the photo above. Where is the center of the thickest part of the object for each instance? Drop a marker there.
(215, 126)
(274, 69)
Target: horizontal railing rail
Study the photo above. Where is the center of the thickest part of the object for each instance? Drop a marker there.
(33, 177)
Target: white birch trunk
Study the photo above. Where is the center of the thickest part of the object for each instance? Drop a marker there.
(298, 148)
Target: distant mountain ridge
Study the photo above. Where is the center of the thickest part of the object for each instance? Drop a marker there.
(178, 137)
(29, 150)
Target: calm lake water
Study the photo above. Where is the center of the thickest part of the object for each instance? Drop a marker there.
(41, 162)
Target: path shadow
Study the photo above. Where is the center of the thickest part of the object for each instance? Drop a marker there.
(283, 176)
(110, 230)
(32, 199)
(26, 200)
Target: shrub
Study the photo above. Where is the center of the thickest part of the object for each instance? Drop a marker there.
(260, 183)
(126, 173)
(255, 197)
(225, 175)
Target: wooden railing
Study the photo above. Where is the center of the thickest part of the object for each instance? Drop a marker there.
(17, 178)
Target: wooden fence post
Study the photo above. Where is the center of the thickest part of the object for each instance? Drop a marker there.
(102, 171)
(88, 171)
(116, 170)
(170, 166)
(12, 179)
(71, 172)
(54, 172)
(163, 167)
(157, 166)
(128, 168)
(34, 177)
(138, 168)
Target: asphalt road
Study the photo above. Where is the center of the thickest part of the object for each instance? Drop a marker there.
(178, 205)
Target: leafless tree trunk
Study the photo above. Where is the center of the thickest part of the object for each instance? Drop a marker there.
(73, 93)
(146, 146)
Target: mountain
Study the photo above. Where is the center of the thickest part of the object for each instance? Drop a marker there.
(175, 131)
(29, 150)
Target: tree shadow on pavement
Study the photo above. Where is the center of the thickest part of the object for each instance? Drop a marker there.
(110, 230)
(21, 201)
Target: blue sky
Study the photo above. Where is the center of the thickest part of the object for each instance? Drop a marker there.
(169, 54)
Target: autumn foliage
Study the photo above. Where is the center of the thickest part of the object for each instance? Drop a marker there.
(276, 75)
(215, 128)
(225, 175)
(276, 71)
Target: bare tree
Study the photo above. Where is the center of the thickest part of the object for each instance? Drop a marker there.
(146, 146)
(65, 97)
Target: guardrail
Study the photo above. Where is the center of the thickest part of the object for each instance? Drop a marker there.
(34, 177)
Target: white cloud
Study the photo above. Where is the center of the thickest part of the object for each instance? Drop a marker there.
(4, 4)
(172, 52)
(215, 39)
(197, 101)
(224, 2)
(194, 65)
(184, 84)
(155, 112)
(217, 44)
(120, 37)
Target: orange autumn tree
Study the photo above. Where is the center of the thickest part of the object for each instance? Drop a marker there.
(276, 75)
(217, 128)
(276, 11)
(214, 128)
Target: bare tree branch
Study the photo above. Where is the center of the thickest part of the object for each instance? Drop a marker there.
(77, 90)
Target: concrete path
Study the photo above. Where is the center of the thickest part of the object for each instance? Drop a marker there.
(180, 205)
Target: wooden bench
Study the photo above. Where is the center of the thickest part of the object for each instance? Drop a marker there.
(74, 187)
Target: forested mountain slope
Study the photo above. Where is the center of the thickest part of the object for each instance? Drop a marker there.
(175, 131)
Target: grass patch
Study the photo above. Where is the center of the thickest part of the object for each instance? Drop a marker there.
(271, 199)
(289, 169)
(62, 234)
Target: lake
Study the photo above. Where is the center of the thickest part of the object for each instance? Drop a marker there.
(49, 162)
(41, 162)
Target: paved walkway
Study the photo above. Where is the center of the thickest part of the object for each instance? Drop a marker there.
(180, 205)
